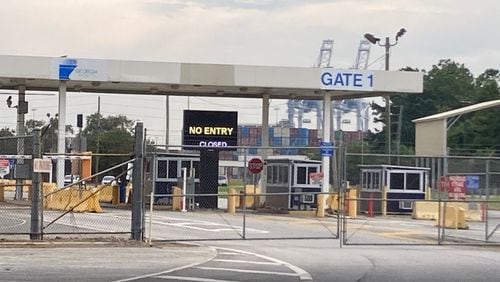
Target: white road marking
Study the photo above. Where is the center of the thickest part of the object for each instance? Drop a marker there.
(247, 271)
(164, 272)
(192, 279)
(222, 227)
(304, 275)
(247, 261)
(22, 222)
(228, 254)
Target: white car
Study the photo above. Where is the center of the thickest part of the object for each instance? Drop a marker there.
(68, 179)
(223, 180)
(107, 180)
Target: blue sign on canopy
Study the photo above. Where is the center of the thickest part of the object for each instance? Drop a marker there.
(472, 182)
(327, 149)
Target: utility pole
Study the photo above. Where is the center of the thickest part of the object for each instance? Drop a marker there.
(387, 45)
(98, 138)
(400, 120)
(22, 108)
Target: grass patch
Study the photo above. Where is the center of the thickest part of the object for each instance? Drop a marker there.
(225, 189)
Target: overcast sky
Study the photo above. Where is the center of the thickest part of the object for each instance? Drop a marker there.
(254, 32)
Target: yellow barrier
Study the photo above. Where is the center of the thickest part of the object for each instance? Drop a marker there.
(106, 193)
(249, 201)
(429, 210)
(333, 201)
(72, 198)
(454, 217)
(352, 210)
(2, 196)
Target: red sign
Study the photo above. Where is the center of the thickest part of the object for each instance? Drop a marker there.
(255, 165)
(456, 187)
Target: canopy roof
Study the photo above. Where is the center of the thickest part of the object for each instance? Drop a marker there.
(162, 78)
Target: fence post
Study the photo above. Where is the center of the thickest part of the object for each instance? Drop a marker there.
(36, 207)
(137, 177)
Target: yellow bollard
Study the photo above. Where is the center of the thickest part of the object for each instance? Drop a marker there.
(384, 201)
(231, 201)
(116, 195)
(177, 198)
(353, 203)
(320, 211)
(428, 193)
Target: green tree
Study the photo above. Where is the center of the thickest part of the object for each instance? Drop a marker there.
(448, 85)
(476, 132)
(7, 146)
(109, 135)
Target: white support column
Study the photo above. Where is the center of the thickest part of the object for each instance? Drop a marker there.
(21, 110)
(265, 140)
(167, 120)
(61, 134)
(327, 101)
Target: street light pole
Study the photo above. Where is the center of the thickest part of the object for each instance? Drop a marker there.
(388, 131)
(387, 46)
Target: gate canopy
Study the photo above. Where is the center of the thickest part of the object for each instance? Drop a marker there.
(162, 78)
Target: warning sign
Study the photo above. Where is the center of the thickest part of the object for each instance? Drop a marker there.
(456, 187)
(4, 168)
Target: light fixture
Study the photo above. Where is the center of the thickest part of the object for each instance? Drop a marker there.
(371, 38)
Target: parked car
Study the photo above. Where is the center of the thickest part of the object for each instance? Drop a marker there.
(223, 180)
(68, 179)
(108, 180)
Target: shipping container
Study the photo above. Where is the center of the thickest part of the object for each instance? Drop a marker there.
(276, 141)
(294, 132)
(285, 141)
(245, 132)
(285, 132)
(277, 132)
(271, 132)
(303, 133)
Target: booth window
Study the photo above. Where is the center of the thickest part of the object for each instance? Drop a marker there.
(277, 174)
(405, 181)
(371, 179)
(302, 175)
(161, 170)
(413, 181)
(397, 181)
(172, 169)
(303, 172)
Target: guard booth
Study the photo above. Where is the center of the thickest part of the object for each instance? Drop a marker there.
(292, 175)
(403, 182)
(167, 172)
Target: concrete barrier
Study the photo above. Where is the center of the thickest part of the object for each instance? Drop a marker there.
(352, 210)
(74, 199)
(429, 210)
(249, 201)
(454, 217)
(106, 193)
(333, 201)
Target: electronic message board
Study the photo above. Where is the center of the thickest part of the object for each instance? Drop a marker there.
(210, 128)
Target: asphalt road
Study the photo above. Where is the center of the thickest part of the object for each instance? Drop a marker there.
(290, 260)
(233, 259)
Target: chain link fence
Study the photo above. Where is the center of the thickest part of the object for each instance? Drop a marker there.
(283, 194)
